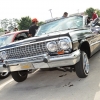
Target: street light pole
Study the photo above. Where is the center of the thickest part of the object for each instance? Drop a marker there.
(78, 11)
(51, 13)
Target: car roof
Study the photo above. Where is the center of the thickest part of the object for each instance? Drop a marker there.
(17, 32)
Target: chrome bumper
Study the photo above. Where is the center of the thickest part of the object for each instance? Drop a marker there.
(43, 61)
(3, 69)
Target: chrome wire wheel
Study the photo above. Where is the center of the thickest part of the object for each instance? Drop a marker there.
(4, 73)
(86, 65)
(82, 67)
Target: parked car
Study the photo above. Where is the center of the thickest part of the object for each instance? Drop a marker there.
(58, 43)
(7, 39)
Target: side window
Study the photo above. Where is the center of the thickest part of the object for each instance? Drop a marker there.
(21, 36)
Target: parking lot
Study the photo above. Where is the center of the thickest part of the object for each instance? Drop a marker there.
(55, 85)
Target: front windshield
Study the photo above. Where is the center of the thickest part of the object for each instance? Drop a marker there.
(4, 40)
(61, 24)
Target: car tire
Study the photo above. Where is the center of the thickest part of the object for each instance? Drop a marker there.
(4, 75)
(82, 67)
(19, 76)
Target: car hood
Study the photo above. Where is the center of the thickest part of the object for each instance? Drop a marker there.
(40, 38)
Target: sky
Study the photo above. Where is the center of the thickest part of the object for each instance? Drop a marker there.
(40, 9)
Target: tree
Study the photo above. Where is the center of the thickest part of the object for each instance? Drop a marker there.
(4, 23)
(1, 30)
(40, 23)
(9, 24)
(24, 23)
(90, 10)
(98, 12)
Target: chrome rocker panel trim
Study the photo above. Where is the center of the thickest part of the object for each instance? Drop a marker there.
(45, 61)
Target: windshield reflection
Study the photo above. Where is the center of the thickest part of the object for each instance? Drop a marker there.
(61, 24)
(4, 40)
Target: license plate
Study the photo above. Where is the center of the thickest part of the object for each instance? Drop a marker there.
(25, 66)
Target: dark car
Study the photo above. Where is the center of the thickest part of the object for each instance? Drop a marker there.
(64, 42)
(7, 39)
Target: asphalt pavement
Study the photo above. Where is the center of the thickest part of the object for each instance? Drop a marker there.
(54, 85)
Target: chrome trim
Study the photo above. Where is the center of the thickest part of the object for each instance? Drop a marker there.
(84, 21)
(3, 74)
(86, 65)
(52, 61)
(3, 69)
(34, 42)
(94, 43)
(26, 51)
(26, 59)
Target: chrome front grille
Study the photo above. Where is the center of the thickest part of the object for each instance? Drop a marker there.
(27, 51)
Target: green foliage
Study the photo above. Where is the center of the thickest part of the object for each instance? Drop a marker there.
(1, 30)
(9, 24)
(40, 23)
(24, 23)
(98, 12)
(13, 23)
(89, 11)
(4, 23)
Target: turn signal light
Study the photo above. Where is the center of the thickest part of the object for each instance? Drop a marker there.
(60, 52)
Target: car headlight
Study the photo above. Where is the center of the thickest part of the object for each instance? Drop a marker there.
(65, 44)
(3, 55)
(52, 46)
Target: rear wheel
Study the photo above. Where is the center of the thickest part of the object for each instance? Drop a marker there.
(4, 75)
(19, 76)
(82, 67)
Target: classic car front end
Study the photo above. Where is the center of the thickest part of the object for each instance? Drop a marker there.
(5, 40)
(43, 54)
(58, 43)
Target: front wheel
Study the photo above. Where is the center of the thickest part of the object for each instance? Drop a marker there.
(82, 67)
(19, 76)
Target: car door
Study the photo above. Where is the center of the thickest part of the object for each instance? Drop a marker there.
(96, 36)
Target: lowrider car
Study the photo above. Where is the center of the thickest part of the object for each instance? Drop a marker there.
(59, 43)
(7, 39)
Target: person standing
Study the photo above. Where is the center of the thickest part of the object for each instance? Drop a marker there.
(94, 15)
(88, 20)
(15, 29)
(33, 27)
(65, 15)
(5, 31)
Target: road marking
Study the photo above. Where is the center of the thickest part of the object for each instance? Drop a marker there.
(11, 80)
(4, 84)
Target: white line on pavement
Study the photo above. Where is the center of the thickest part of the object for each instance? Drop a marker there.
(9, 81)
(4, 84)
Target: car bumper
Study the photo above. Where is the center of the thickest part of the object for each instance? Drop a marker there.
(43, 61)
(2, 69)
